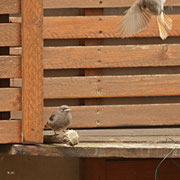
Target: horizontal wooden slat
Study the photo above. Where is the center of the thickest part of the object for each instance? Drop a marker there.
(123, 115)
(10, 99)
(109, 56)
(10, 131)
(126, 139)
(13, 6)
(138, 132)
(10, 34)
(10, 6)
(95, 3)
(120, 150)
(97, 27)
(15, 51)
(109, 86)
(130, 135)
(118, 115)
(10, 66)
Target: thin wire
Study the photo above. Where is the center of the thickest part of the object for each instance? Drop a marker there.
(156, 172)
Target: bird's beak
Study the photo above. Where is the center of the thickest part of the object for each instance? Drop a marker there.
(67, 110)
(47, 126)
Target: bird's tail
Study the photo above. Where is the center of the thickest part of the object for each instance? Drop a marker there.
(164, 24)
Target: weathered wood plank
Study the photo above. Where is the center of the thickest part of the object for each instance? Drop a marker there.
(122, 115)
(130, 135)
(10, 131)
(131, 132)
(120, 150)
(95, 3)
(118, 115)
(10, 6)
(108, 56)
(10, 66)
(10, 99)
(32, 45)
(10, 34)
(112, 86)
(97, 27)
(128, 139)
(111, 56)
(109, 86)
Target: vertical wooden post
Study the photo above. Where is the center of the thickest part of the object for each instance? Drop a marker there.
(32, 71)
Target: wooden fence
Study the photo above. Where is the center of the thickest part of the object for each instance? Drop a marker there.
(108, 81)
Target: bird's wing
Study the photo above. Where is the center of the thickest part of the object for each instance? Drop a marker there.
(135, 20)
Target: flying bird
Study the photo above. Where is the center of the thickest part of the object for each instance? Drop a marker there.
(139, 15)
(60, 119)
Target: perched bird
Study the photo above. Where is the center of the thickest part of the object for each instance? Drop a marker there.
(139, 15)
(60, 119)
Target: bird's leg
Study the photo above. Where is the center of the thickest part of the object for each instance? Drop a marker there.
(55, 133)
(64, 130)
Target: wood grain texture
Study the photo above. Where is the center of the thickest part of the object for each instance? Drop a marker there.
(95, 3)
(112, 86)
(10, 66)
(10, 131)
(126, 139)
(10, 34)
(32, 45)
(108, 56)
(131, 132)
(97, 27)
(118, 115)
(10, 99)
(122, 115)
(120, 150)
(10, 7)
(109, 86)
(111, 56)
